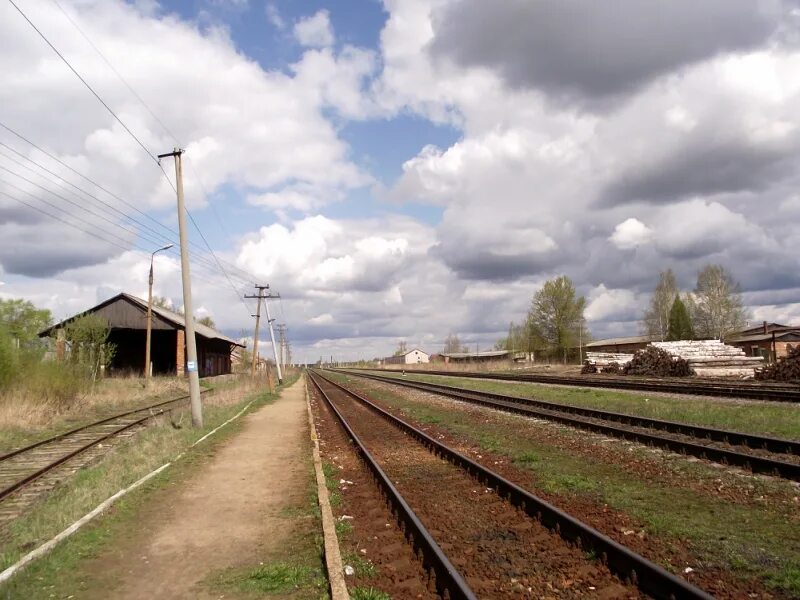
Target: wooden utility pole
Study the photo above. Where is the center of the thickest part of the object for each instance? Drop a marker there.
(260, 297)
(191, 345)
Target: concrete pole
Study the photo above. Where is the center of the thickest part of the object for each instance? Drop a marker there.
(255, 337)
(274, 348)
(191, 345)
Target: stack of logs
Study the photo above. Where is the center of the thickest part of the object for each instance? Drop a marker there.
(712, 358)
(786, 369)
(603, 359)
(657, 362)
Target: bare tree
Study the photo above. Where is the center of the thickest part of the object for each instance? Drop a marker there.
(453, 344)
(402, 348)
(656, 317)
(716, 305)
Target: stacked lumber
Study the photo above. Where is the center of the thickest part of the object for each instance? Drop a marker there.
(657, 362)
(786, 369)
(603, 359)
(712, 358)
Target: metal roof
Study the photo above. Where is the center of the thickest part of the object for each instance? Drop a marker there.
(637, 339)
(791, 334)
(487, 354)
(174, 318)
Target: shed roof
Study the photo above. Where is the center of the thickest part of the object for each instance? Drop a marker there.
(636, 339)
(784, 335)
(175, 319)
(487, 354)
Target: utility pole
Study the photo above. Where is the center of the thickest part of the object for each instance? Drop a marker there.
(260, 297)
(191, 345)
(147, 365)
(272, 337)
(281, 327)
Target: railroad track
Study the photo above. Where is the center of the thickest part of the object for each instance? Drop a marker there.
(760, 454)
(754, 391)
(44, 464)
(481, 544)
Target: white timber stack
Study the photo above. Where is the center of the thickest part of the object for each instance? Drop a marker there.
(712, 358)
(603, 359)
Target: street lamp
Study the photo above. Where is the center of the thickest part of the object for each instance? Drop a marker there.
(150, 315)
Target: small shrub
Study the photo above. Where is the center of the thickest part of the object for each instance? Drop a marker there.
(588, 368)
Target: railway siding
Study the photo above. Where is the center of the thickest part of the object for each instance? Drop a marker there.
(760, 454)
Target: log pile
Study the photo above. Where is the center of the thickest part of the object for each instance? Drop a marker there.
(712, 358)
(786, 369)
(657, 362)
(612, 368)
(588, 368)
(603, 359)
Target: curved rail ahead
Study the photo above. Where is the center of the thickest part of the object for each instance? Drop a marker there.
(561, 413)
(649, 577)
(754, 391)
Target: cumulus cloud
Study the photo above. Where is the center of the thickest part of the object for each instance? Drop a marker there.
(315, 31)
(631, 233)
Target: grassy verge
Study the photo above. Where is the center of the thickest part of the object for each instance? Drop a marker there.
(781, 420)
(762, 542)
(119, 468)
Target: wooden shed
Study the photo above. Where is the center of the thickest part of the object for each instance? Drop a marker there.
(127, 318)
(769, 340)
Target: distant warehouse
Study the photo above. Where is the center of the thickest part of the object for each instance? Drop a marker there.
(127, 319)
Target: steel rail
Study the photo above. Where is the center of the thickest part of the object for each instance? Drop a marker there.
(17, 451)
(767, 392)
(628, 565)
(757, 464)
(161, 408)
(449, 582)
(736, 438)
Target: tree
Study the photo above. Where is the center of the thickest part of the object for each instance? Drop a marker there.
(22, 320)
(556, 314)
(162, 302)
(453, 344)
(656, 316)
(717, 308)
(89, 346)
(402, 348)
(207, 321)
(680, 323)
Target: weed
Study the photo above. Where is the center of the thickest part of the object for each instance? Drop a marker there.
(343, 528)
(369, 593)
(362, 566)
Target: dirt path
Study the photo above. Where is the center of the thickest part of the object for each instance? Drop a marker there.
(225, 515)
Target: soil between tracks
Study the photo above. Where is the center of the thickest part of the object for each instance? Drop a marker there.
(501, 552)
(227, 515)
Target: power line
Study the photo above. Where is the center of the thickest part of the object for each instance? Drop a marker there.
(89, 87)
(244, 276)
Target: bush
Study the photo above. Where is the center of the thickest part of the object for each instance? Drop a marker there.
(613, 368)
(657, 362)
(8, 359)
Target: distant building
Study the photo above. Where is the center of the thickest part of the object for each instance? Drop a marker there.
(625, 345)
(127, 318)
(412, 357)
(488, 356)
(770, 340)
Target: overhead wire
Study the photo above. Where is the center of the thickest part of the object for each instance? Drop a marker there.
(119, 120)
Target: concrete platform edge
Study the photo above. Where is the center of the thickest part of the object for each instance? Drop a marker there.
(333, 557)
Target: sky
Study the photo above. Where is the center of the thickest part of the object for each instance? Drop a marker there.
(400, 169)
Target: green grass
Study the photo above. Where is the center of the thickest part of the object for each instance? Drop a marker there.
(362, 566)
(776, 419)
(370, 593)
(761, 541)
(60, 569)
